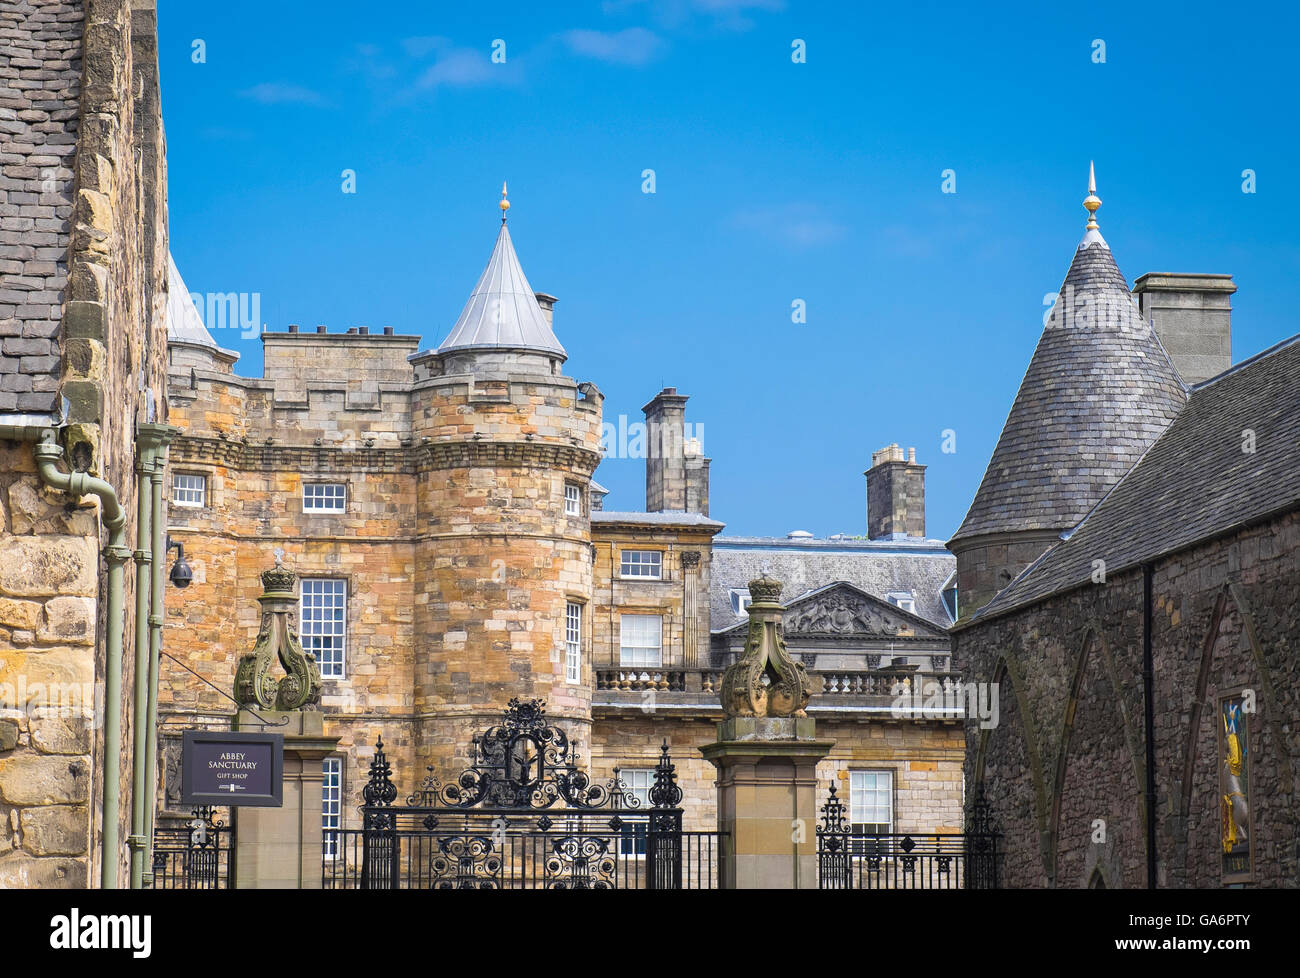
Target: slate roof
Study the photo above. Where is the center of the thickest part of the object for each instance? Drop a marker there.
(502, 311)
(668, 517)
(874, 566)
(1098, 392)
(1195, 483)
(40, 51)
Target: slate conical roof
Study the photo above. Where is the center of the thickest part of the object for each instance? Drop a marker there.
(1098, 392)
(502, 312)
(184, 325)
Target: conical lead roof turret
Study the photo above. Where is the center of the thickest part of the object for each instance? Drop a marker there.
(1098, 392)
(502, 311)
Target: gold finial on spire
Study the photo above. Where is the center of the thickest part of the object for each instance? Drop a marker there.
(505, 204)
(1092, 201)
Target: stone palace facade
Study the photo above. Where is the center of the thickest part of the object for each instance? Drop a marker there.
(454, 552)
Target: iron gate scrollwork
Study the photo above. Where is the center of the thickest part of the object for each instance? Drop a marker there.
(522, 815)
(848, 859)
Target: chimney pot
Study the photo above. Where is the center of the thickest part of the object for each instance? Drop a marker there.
(364, 330)
(388, 331)
(293, 327)
(321, 329)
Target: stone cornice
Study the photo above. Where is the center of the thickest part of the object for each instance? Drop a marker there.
(425, 457)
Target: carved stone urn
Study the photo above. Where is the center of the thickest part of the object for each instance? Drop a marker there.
(765, 681)
(277, 640)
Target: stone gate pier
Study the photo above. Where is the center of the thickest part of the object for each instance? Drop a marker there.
(766, 755)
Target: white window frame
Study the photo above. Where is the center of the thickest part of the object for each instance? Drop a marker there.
(325, 502)
(178, 492)
(572, 499)
(630, 570)
(637, 781)
(328, 669)
(741, 599)
(331, 803)
(641, 655)
(864, 788)
(573, 642)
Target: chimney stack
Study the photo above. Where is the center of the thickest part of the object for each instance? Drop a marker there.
(1192, 315)
(895, 494)
(676, 471)
(547, 302)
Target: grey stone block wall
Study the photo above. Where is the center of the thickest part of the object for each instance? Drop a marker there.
(1069, 747)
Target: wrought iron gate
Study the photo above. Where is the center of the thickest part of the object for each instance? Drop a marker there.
(522, 816)
(896, 861)
(193, 856)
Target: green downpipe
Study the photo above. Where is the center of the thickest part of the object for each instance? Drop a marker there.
(116, 554)
(165, 433)
(149, 441)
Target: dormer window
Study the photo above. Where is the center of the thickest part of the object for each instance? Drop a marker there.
(902, 599)
(740, 600)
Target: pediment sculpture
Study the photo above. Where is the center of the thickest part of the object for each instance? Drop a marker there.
(840, 611)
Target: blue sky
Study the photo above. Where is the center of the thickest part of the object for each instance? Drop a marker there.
(774, 181)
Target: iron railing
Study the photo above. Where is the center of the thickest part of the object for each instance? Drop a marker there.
(849, 859)
(518, 859)
(194, 856)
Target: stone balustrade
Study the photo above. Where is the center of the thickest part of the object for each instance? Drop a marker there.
(910, 694)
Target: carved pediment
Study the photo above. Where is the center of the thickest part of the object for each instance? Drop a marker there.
(843, 610)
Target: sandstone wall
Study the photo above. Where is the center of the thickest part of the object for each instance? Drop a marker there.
(90, 231)
(680, 597)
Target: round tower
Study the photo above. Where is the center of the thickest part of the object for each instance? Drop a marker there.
(1099, 390)
(506, 447)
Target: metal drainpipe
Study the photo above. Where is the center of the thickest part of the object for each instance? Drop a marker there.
(165, 433)
(148, 443)
(48, 453)
(1148, 709)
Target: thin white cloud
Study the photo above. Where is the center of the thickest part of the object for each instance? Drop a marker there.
(283, 93)
(464, 68)
(792, 225)
(724, 14)
(633, 46)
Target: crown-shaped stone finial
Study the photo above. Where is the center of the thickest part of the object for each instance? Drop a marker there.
(765, 590)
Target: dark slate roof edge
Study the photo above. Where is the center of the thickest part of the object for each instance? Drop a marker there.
(988, 613)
